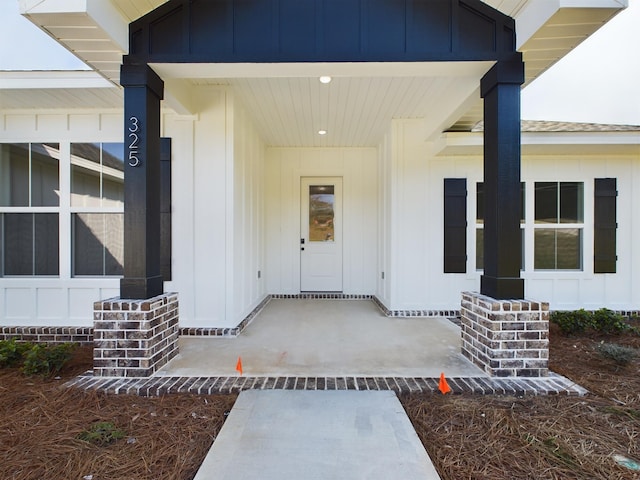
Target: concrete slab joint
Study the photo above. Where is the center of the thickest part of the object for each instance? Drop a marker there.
(506, 338)
(134, 338)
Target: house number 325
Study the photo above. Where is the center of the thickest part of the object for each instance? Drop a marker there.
(134, 128)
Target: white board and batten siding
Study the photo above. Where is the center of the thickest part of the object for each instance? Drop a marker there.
(217, 211)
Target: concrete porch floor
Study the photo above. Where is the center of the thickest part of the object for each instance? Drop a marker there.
(327, 338)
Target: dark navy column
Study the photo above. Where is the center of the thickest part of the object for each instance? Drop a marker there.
(500, 88)
(143, 91)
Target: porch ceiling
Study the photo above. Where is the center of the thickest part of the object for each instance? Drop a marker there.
(288, 110)
(289, 104)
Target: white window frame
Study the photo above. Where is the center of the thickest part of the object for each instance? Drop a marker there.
(558, 226)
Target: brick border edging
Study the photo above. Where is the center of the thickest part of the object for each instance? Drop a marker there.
(81, 335)
(160, 385)
(414, 313)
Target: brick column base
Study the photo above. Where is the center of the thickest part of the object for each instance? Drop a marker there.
(134, 338)
(506, 338)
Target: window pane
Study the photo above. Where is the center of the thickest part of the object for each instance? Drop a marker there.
(30, 244)
(18, 244)
(113, 174)
(98, 240)
(45, 177)
(85, 174)
(479, 202)
(97, 172)
(114, 244)
(571, 202)
(321, 213)
(14, 175)
(558, 249)
(479, 249)
(569, 249)
(523, 197)
(544, 255)
(46, 228)
(546, 202)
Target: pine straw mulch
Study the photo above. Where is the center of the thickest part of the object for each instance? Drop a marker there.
(552, 437)
(467, 436)
(40, 421)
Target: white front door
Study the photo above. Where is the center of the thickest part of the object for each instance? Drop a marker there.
(321, 234)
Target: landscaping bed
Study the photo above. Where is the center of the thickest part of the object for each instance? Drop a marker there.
(543, 437)
(50, 431)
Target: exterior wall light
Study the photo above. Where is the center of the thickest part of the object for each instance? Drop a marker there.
(322, 132)
(325, 79)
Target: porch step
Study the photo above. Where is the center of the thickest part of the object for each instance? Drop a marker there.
(161, 385)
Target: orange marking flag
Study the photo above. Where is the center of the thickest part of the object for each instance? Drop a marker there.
(443, 386)
(239, 366)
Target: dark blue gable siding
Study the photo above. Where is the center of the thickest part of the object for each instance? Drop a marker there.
(321, 31)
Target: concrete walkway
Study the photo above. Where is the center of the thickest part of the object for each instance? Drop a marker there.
(321, 435)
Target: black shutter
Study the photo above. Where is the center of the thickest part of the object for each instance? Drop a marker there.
(455, 225)
(604, 226)
(165, 208)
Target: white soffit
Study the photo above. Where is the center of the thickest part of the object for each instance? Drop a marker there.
(96, 31)
(546, 31)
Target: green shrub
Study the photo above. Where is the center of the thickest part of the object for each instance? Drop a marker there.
(12, 351)
(101, 434)
(572, 322)
(608, 321)
(618, 353)
(47, 360)
(602, 320)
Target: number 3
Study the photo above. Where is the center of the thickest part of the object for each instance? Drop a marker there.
(134, 124)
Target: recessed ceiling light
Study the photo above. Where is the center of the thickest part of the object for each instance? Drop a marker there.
(325, 79)
(322, 132)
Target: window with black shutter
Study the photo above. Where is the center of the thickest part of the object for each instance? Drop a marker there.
(604, 226)
(455, 225)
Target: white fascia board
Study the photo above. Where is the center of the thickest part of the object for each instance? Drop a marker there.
(317, 69)
(537, 12)
(105, 15)
(52, 79)
(581, 138)
(51, 6)
(471, 143)
(111, 21)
